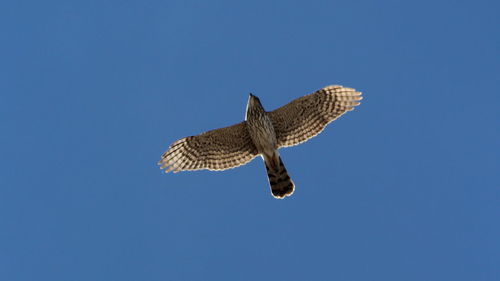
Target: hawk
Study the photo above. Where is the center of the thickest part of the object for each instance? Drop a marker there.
(262, 133)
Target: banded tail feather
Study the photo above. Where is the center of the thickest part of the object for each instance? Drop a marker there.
(279, 180)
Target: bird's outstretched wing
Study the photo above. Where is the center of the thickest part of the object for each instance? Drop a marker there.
(305, 117)
(218, 149)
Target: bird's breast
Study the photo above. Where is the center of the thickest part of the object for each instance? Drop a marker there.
(261, 131)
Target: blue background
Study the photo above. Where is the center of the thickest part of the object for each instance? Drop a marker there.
(405, 187)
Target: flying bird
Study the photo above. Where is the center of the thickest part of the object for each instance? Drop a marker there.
(262, 133)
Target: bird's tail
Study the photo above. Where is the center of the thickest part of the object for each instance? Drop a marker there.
(281, 184)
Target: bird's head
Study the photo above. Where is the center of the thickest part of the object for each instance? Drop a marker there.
(253, 105)
(253, 100)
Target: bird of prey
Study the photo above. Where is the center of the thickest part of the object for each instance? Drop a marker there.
(262, 133)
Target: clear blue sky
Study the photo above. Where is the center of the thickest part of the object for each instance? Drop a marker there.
(406, 187)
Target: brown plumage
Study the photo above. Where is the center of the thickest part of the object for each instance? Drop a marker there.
(280, 182)
(262, 133)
